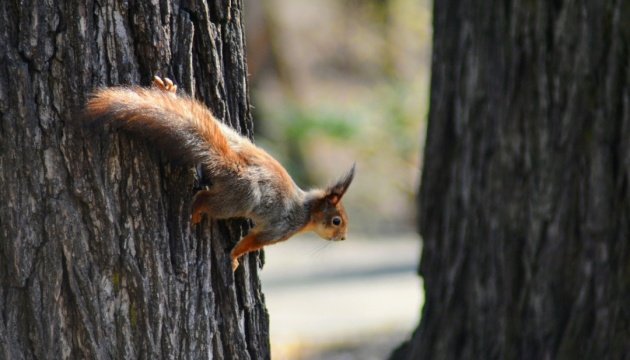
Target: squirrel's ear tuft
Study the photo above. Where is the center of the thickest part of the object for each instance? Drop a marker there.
(335, 192)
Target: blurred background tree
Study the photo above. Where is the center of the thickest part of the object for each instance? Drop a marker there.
(524, 203)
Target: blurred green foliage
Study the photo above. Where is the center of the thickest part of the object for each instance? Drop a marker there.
(302, 124)
(347, 81)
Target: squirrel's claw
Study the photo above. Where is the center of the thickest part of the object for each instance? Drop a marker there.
(164, 85)
(170, 86)
(158, 82)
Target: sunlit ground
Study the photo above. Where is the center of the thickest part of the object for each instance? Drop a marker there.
(356, 299)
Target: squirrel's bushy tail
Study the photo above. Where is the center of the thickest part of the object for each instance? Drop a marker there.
(182, 127)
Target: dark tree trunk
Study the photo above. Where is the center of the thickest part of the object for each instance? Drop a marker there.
(97, 256)
(524, 203)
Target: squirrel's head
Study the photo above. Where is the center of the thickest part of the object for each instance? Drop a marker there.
(328, 217)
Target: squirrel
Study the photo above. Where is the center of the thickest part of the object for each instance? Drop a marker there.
(246, 182)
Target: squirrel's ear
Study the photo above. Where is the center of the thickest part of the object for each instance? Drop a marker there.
(336, 191)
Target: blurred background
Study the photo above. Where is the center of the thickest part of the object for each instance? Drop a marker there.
(334, 82)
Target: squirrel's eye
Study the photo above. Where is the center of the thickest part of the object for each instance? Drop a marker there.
(336, 221)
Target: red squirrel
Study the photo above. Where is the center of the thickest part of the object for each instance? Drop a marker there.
(246, 181)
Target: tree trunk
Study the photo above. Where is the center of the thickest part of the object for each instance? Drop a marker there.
(97, 256)
(524, 204)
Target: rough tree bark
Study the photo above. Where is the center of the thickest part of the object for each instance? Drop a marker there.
(524, 204)
(97, 256)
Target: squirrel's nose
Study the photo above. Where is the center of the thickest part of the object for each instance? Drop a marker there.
(343, 238)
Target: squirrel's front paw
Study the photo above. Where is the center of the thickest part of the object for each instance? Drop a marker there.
(165, 85)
